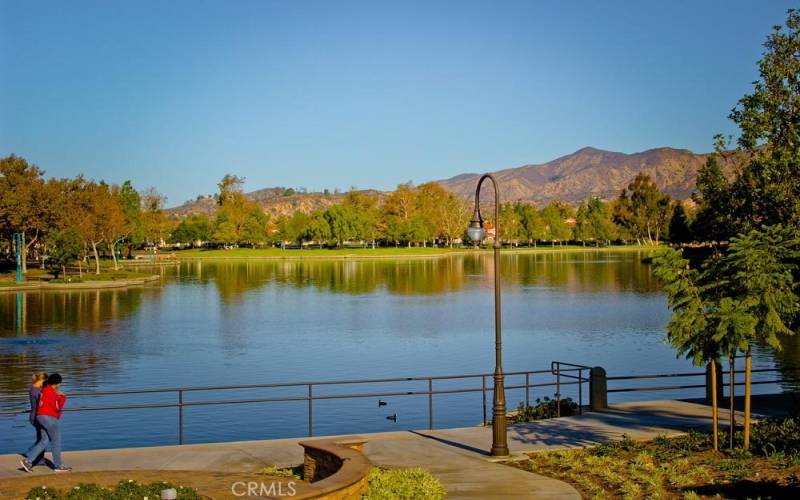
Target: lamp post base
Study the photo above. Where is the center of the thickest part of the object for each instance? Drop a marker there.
(500, 451)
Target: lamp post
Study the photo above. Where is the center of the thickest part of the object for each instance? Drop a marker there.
(19, 241)
(477, 233)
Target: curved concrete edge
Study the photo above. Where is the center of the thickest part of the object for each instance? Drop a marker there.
(335, 468)
(87, 285)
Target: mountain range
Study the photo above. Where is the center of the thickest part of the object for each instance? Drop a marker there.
(572, 178)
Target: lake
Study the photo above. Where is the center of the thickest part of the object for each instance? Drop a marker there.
(269, 321)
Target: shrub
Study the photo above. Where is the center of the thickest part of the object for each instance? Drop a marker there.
(288, 472)
(124, 490)
(403, 484)
(545, 408)
(772, 436)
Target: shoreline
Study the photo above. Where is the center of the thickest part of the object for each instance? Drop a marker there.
(85, 285)
(364, 254)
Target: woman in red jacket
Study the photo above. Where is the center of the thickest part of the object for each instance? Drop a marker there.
(51, 404)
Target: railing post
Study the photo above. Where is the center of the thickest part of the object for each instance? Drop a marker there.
(558, 390)
(580, 391)
(483, 378)
(430, 403)
(527, 392)
(180, 416)
(310, 411)
(598, 389)
(709, 385)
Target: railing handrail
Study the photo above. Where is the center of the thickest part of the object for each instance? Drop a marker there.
(310, 396)
(574, 373)
(157, 390)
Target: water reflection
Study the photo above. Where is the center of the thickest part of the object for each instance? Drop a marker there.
(88, 334)
(575, 272)
(249, 321)
(68, 330)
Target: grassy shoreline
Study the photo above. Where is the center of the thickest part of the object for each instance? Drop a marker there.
(37, 280)
(383, 253)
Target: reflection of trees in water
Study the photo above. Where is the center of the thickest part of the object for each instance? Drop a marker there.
(234, 278)
(73, 311)
(787, 360)
(27, 318)
(578, 271)
(82, 370)
(581, 271)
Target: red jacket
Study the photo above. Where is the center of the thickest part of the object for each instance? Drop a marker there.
(51, 403)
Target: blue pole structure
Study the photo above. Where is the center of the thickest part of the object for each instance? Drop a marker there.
(19, 313)
(18, 250)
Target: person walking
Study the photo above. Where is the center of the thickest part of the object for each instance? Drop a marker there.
(48, 415)
(35, 391)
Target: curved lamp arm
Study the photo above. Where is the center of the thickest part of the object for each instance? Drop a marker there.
(476, 216)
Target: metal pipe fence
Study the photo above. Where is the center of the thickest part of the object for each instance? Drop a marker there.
(572, 374)
(736, 375)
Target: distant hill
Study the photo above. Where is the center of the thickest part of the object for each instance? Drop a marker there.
(572, 178)
(591, 172)
(274, 201)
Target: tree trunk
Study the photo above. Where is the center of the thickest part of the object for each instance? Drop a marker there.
(747, 369)
(96, 258)
(714, 405)
(113, 256)
(732, 390)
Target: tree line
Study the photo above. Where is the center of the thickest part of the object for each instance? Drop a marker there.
(429, 214)
(75, 218)
(71, 219)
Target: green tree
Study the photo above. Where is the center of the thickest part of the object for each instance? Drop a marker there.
(225, 230)
(194, 228)
(254, 230)
(679, 225)
(400, 212)
(293, 228)
(131, 203)
(713, 196)
(744, 295)
(554, 218)
(533, 227)
(237, 214)
(594, 221)
(155, 223)
(363, 208)
(317, 229)
(767, 191)
(64, 246)
(643, 210)
(342, 220)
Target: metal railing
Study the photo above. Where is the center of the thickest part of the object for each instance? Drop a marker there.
(572, 373)
(731, 372)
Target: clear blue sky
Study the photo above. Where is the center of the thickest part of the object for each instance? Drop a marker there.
(175, 94)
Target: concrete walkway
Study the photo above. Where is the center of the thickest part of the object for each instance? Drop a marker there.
(457, 457)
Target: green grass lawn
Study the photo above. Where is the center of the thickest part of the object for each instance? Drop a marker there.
(111, 275)
(370, 252)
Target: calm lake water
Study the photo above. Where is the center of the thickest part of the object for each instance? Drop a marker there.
(261, 322)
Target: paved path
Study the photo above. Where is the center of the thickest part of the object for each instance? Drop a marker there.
(456, 456)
